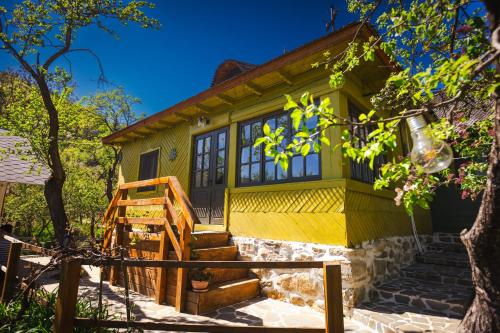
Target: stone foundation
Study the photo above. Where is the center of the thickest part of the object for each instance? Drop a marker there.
(362, 267)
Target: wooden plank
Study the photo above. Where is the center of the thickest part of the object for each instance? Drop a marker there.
(108, 222)
(142, 183)
(122, 212)
(66, 296)
(161, 279)
(30, 247)
(141, 202)
(173, 241)
(142, 220)
(183, 201)
(203, 327)
(208, 264)
(334, 313)
(9, 281)
(185, 241)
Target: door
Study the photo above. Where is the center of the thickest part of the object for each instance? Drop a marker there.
(209, 176)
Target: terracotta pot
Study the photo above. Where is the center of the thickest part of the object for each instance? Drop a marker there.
(199, 285)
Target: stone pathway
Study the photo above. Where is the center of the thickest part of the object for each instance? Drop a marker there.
(257, 312)
(430, 296)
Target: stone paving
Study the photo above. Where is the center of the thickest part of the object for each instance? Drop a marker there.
(256, 312)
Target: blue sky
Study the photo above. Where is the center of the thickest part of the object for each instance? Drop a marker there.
(165, 66)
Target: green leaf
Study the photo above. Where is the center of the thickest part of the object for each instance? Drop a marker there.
(305, 149)
(304, 98)
(325, 140)
(266, 129)
(259, 141)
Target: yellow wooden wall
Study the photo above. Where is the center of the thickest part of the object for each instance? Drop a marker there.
(333, 210)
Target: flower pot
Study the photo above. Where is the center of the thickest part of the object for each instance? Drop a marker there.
(199, 286)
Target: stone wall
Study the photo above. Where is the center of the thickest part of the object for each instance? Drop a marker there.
(368, 263)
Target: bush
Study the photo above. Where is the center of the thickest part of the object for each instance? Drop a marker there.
(40, 312)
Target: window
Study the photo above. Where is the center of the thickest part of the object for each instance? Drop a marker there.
(361, 171)
(254, 167)
(148, 168)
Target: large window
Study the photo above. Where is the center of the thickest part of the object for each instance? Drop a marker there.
(362, 171)
(148, 168)
(254, 167)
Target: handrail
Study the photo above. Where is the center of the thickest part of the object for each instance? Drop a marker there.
(184, 222)
(65, 320)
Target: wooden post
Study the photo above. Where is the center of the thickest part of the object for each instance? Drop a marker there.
(161, 272)
(182, 273)
(11, 271)
(66, 296)
(334, 314)
(122, 212)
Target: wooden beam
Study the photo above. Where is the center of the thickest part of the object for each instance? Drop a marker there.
(140, 202)
(254, 88)
(285, 77)
(334, 311)
(226, 99)
(183, 116)
(134, 135)
(66, 296)
(203, 108)
(166, 124)
(9, 280)
(122, 212)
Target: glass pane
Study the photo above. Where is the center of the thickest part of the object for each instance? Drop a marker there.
(312, 122)
(245, 173)
(282, 174)
(197, 179)
(245, 135)
(283, 122)
(206, 161)
(255, 173)
(221, 155)
(222, 140)
(270, 171)
(219, 176)
(272, 123)
(199, 162)
(256, 131)
(199, 149)
(245, 155)
(207, 144)
(255, 154)
(298, 166)
(204, 179)
(312, 165)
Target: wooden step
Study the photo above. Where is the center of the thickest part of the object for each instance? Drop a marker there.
(219, 275)
(221, 295)
(222, 253)
(206, 239)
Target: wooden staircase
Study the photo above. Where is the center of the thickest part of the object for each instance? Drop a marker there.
(227, 286)
(173, 239)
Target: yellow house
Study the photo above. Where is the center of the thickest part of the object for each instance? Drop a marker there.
(323, 205)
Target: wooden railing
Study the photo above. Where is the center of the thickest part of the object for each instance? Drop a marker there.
(115, 219)
(65, 320)
(11, 269)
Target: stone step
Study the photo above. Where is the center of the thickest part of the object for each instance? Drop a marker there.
(443, 258)
(450, 300)
(444, 237)
(447, 247)
(218, 275)
(389, 317)
(222, 294)
(438, 273)
(207, 239)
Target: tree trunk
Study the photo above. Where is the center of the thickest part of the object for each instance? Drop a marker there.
(482, 241)
(111, 175)
(54, 186)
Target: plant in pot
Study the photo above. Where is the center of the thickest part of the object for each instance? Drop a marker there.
(200, 279)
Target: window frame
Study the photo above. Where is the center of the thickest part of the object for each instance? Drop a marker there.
(361, 171)
(263, 119)
(147, 189)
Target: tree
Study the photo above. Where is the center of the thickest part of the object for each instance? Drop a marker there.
(34, 29)
(114, 112)
(447, 57)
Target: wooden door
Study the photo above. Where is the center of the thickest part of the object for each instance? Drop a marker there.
(209, 176)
